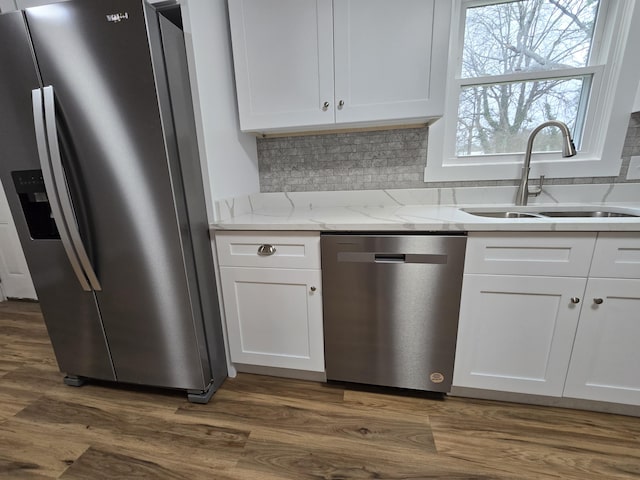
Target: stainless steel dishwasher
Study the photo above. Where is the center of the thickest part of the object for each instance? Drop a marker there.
(391, 305)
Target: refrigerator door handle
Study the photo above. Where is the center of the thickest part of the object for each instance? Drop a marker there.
(47, 176)
(60, 182)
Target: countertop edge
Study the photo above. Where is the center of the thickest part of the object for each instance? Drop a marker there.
(418, 218)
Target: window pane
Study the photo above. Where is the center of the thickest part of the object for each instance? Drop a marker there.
(498, 118)
(527, 35)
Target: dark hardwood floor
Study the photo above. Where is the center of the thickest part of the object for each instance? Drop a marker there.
(268, 428)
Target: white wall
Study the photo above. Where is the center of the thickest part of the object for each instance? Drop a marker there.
(229, 156)
(7, 5)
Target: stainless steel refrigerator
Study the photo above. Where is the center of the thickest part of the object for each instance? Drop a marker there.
(99, 161)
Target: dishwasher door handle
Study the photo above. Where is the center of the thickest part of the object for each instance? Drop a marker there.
(389, 258)
(372, 257)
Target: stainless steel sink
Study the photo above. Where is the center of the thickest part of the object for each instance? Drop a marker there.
(560, 212)
(588, 213)
(498, 214)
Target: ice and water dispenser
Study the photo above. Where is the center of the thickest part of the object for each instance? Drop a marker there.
(35, 204)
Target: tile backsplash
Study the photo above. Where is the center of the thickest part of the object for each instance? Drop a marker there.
(385, 159)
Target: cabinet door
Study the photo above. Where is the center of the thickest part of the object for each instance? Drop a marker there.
(283, 57)
(390, 59)
(515, 333)
(274, 317)
(605, 362)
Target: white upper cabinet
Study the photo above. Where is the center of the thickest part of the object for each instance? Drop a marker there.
(283, 56)
(389, 59)
(386, 60)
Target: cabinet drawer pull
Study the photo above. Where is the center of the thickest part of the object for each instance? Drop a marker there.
(266, 250)
(313, 289)
(325, 106)
(575, 300)
(597, 301)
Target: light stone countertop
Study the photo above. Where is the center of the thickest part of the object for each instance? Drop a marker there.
(421, 218)
(394, 211)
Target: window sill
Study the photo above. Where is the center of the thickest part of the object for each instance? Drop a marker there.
(575, 167)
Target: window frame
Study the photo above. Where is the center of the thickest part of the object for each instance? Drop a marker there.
(616, 73)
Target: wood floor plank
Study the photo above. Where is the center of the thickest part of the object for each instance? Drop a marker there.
(485, 441)
(351, 425)
(138, 431)
(124, 398)
(26, 452)
(308, 461)
(571, 421)
(27, 353)
(543, 422)
(102, 465)
(104, 462)
(273, 386)
(339, 408)
(23, 385)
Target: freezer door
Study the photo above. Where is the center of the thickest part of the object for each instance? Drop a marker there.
(71, 314)
(96, 55)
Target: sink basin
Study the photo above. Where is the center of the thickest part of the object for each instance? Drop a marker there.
(588, 213)
(503, 214)
(566, 212)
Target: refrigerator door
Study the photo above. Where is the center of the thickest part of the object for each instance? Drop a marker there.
(71, 314)
(96, 55)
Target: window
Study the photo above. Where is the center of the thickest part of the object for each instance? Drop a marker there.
(515, 64)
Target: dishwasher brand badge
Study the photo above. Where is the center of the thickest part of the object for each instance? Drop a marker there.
(117, 17)
(436, 377)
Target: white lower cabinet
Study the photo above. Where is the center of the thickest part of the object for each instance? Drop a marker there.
(605, 362)
(568, 329)
(274, 317)
(272, 293)
(516, 332)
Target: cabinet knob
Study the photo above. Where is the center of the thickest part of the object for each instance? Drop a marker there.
(266, 250)
(575, 300)
(313, 289)
(325, 106)
(340, 104)
(597, 301)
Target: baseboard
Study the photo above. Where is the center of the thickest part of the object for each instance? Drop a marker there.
(281, 372)
(560, 402)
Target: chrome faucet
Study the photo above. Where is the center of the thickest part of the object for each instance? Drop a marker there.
(568, 150)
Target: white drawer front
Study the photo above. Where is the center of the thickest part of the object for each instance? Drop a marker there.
(617, 255)
(279, 249)
(527, 253)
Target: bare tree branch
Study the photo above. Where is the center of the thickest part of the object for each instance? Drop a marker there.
(576, 20)
(538, 58)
